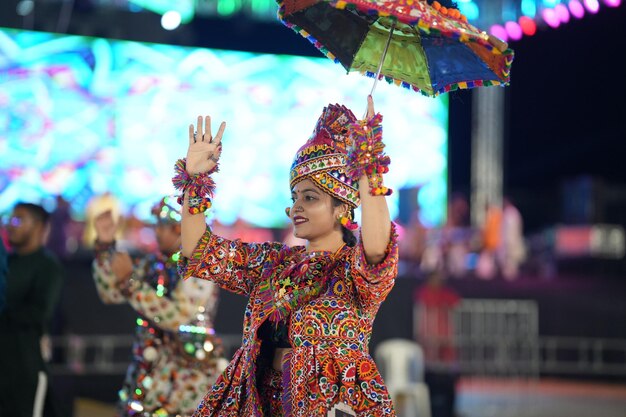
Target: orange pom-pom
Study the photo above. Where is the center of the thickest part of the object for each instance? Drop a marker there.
(443, 10)
(464, 18)
(436, 5)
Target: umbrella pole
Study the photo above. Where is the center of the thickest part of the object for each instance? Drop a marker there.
(382, 59)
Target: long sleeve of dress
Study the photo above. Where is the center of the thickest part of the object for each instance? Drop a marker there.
(233, 265)
(374, 282)
(168, 312)
(179, 307)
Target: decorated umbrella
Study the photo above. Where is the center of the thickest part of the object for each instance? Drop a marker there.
(425, 47)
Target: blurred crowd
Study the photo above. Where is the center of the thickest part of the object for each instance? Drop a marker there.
(434, 255)
(496, 249)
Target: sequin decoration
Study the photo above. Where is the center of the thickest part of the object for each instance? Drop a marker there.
(176, 354)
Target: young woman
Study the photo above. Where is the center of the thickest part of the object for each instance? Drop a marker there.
(176, 354)
(309, 317)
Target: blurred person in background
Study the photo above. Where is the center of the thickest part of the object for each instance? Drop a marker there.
(435, 302)
(486, 266)
(99, 204)
(412, 242)
(176, 355)
(511, 251)
(60, 220)
(33, 288)
(456, 236)
(434, 330)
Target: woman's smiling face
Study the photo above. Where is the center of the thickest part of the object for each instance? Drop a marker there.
(312, 212)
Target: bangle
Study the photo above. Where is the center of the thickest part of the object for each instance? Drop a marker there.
(366, 157)
(199, 186)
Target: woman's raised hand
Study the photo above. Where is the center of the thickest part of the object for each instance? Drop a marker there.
(204, 149)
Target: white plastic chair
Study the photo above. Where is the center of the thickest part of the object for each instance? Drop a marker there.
(401, 363)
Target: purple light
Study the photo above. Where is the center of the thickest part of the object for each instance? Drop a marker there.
(576, 9)
(592, 6)
(562, 13)
(613, 3)
(550, 17)
(15, 221)
(514, 30)
(499, 32)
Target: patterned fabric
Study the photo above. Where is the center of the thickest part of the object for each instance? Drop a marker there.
(322, 159)
(298, 281)
(329, 333)
(176, 356)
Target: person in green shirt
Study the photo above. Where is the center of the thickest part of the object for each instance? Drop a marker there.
(33, 288)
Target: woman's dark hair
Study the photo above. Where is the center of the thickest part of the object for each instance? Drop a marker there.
(348, 237)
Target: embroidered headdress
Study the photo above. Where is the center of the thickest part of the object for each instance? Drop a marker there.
(322, 159)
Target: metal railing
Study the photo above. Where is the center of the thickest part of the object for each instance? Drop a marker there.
(104, 354)
(501, 338)
(576, 355)
(476, 337)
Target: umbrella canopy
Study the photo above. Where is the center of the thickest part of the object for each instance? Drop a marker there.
(427, 48)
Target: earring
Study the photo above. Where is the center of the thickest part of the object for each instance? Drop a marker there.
(347, 222)
(287, 211)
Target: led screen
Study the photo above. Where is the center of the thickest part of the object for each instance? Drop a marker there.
(82, 116)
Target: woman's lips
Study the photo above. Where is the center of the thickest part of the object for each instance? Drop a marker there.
(297, 220)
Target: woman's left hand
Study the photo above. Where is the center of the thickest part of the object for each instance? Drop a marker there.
(204, 149)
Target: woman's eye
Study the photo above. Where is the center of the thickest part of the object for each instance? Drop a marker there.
(309, 198)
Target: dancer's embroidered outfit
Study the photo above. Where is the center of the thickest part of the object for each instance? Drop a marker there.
(320, 304)
(176, 354)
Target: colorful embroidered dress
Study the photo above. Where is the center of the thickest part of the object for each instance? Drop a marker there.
(176, 356)
(330, 302)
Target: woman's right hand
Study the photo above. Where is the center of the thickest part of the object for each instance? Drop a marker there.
(204, 149)
(105, 227)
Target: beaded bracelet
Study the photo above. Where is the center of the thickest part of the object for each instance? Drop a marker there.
(366, 156)
(200, 187)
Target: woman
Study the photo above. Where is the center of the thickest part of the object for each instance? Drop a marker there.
(175, 352)
(309, 316)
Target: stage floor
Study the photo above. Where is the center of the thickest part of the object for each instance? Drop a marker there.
(539, 398)
(479, 397)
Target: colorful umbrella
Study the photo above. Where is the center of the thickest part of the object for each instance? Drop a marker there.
(425, 47)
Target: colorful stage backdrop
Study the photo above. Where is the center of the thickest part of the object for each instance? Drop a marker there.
(82, 116)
